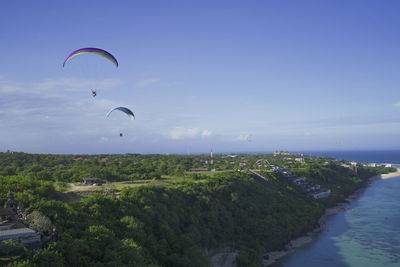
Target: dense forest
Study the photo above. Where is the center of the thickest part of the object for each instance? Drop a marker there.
(179, 221)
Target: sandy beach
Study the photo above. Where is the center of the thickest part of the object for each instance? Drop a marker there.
(271, 257)
(386, 175)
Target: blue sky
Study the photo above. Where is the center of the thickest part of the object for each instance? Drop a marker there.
(296, 75)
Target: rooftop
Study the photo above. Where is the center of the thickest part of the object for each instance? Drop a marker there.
(7, 211)
(6, 234)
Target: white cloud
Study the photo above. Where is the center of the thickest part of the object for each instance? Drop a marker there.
(397, 104)
(147, 82)
(244, 137)
(73, 84)
(6, 87)
(180, 132)
(37, 108)
(240, 137)
(206, 133)
(104, 139)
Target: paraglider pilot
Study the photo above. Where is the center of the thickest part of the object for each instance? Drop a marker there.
(94, 93)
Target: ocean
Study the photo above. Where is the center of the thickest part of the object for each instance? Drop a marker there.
(367, 233)
(373, 156)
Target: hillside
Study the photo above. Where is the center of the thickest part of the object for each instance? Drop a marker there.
(181, 220)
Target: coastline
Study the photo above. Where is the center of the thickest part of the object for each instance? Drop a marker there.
(386, 175)
(272, 257)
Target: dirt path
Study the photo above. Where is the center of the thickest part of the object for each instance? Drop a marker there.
(80, 188)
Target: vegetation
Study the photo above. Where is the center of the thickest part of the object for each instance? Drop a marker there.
(11, 246)
(174, 222)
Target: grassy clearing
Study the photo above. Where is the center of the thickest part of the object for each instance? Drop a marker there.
(208, 173)
(166, 180)
(110, 186)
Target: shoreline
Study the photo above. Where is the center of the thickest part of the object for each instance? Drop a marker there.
(293, 245)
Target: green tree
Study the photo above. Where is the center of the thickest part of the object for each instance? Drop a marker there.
(39, 222)
(10, 245)
(48, 257)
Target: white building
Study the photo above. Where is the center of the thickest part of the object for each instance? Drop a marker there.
(276, 153)
(23, 235)
(300, 180)
(322, 194)
(278, 169)
(314, 188)
(300, 160)
(288, 174)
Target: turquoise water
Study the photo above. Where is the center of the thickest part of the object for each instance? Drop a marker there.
(366, 234)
